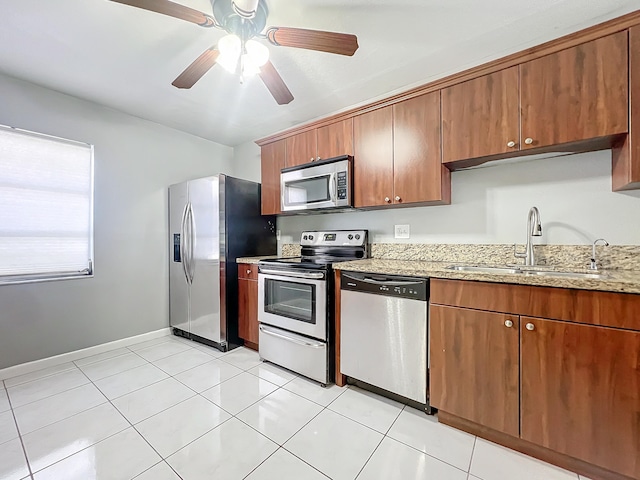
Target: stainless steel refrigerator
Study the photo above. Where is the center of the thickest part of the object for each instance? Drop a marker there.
(212, 221)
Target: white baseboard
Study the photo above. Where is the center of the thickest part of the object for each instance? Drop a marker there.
(29, 367)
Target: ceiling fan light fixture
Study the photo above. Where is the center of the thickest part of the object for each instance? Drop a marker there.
(258, 53)
(229, 47)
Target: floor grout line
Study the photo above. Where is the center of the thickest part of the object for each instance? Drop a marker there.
(255, 374)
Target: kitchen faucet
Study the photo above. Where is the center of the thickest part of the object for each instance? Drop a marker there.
(594, 264)
(534, 229)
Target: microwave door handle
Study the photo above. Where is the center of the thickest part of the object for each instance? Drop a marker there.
(333, 187)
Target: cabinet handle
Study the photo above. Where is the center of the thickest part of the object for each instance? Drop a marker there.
(511, 144)
(387, 199)
(508, 323)
(317, 159)
(312, 159)
(248, 272)
(528, 141)
(530, 326)
(398, 198)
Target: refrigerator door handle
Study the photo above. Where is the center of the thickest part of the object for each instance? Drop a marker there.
(183, 238)
(192, 243)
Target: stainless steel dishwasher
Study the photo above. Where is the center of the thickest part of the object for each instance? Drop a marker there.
(383, 332)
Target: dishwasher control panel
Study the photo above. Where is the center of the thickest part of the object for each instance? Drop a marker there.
(387, 285)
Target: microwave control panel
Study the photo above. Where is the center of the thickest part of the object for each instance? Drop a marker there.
(342, 185)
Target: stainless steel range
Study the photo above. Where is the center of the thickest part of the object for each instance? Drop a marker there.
(295, 302)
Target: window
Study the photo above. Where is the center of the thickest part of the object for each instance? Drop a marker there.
(46, 207)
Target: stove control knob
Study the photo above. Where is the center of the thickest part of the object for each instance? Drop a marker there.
(350, 237)
(305, 237)
(310, 237)
(357, 236)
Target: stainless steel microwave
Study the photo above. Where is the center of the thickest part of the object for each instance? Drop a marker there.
(318, 185)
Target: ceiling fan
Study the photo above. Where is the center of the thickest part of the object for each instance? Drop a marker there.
(244, 21)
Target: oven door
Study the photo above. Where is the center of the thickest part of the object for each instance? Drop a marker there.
(295, 301)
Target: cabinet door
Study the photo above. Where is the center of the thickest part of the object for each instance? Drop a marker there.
(272, 161)
(474, 366)
(418, 174)
(248, 310)
(580, 387)
(373, 158)
(481, 117)
(576, 94)
(301, 148)
(626, 157)
(336, 139)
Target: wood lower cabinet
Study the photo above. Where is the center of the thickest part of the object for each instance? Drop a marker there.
(581, 392)
(373, 160)
(248, 304)
(272, 161)
(576, 94)
(563, 389)
(335, 139)
(481, 117)
(474, 369)
(301, 148)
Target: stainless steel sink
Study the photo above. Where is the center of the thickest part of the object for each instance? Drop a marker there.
(483, 269)
(543, 271)
(546, 273)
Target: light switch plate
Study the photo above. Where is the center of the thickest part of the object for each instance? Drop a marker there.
(402, 231)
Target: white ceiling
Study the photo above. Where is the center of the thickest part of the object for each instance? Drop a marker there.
(126, 58)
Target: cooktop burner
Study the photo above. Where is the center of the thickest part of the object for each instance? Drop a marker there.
(322, 248)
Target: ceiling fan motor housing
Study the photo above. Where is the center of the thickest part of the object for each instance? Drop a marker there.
(236, 20)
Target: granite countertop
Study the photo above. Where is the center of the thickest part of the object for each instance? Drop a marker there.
(623, 281)
(255, 260)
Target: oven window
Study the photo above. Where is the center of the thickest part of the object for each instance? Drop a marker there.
(310, 190)
(290, 299)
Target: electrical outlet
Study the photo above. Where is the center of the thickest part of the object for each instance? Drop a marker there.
(402, 231)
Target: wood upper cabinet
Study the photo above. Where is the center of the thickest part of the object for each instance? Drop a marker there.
(626, 156)
(373, 158)
(418, 174)
(576, 94)
(580, 392)
(397, 155)
(474, 370)
(335, 139)
(272, 161)
(301, 148)
(481, 117)
(248, 303)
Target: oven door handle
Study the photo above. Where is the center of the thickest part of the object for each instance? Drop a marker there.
(310, 275)
(291, 339)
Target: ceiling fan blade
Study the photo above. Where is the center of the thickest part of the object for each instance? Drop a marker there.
(331, 42)
(275, 84)
(173, 10)
(197, 69)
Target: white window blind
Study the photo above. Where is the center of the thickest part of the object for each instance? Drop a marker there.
(46, 207)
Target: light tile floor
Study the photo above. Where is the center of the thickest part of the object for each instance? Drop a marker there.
(169, 408)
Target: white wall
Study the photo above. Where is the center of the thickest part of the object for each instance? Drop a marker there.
(490, 205)
(135, 161)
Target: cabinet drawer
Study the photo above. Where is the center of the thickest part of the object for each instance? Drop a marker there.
(248, 271)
